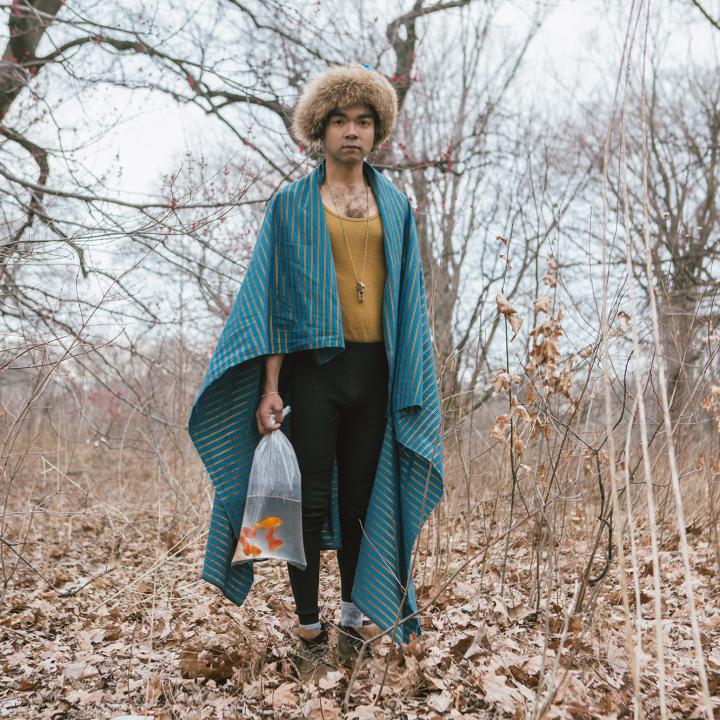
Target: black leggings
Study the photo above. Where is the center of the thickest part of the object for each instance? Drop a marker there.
(338, 409)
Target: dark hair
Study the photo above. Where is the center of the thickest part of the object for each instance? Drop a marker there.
(338, 111)
(339, 87)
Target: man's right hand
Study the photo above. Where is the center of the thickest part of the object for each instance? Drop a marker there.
(267, 405)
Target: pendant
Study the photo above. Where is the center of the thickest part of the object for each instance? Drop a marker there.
(361, 291)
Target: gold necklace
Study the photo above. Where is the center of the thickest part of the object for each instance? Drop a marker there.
(360, 285)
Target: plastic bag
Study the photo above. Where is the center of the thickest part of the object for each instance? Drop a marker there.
(272, 521)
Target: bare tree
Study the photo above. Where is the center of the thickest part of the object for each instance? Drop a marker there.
(684, 174)
(470, 186)
(701, 7)
(276, 46)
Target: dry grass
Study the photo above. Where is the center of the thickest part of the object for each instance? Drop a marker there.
(102, 548)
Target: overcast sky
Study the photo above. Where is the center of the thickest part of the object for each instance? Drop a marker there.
(576, 52)
(573, 59)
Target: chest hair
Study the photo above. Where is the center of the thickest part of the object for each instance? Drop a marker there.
(350, 201)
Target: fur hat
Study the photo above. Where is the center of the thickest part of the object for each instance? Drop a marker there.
(340, 87)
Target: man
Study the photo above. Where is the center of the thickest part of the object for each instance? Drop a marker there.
(331, 319)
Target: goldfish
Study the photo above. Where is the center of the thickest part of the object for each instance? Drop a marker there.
(248, 548)
(245, 545)
(269, 521)
(274, 544)
(272, 523)
(248, 532)
(270, 534)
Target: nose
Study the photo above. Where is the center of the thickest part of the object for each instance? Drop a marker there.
(351, 131)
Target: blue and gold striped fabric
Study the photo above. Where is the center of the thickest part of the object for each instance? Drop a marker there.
(288, 301)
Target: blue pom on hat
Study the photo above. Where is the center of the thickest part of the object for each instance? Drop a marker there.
(368, 67)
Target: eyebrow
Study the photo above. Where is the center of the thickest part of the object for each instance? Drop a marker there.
(342, 114)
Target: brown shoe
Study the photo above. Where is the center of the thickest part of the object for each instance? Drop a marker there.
(351, 639)
(311, 650)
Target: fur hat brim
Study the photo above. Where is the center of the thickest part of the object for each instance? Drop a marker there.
(340, 87)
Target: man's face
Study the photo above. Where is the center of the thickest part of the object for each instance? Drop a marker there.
(350, 133)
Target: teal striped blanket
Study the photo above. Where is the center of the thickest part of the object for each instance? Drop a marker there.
(288, 301)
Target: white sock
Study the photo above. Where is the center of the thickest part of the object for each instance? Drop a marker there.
(350, 614)
(311, 626)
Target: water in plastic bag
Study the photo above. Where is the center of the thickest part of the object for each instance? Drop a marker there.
(272, 521)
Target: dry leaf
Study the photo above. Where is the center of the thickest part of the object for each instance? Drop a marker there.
(331, 679)
(282, 695)
(215, 663)
(500, 430)
(501, 381)
(519, 411)
(509, 313)
(364, 712)
(550, 278)
(79, 671)
(497, 692)
(153, 689)
(518, 445)
(321, 709)
(440, 702)
(542, 304)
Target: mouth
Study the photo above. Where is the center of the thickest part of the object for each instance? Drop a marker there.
(351, 147)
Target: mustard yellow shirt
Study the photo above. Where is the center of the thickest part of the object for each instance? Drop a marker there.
(362, 321)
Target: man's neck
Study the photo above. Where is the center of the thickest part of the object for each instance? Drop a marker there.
(343, 174)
